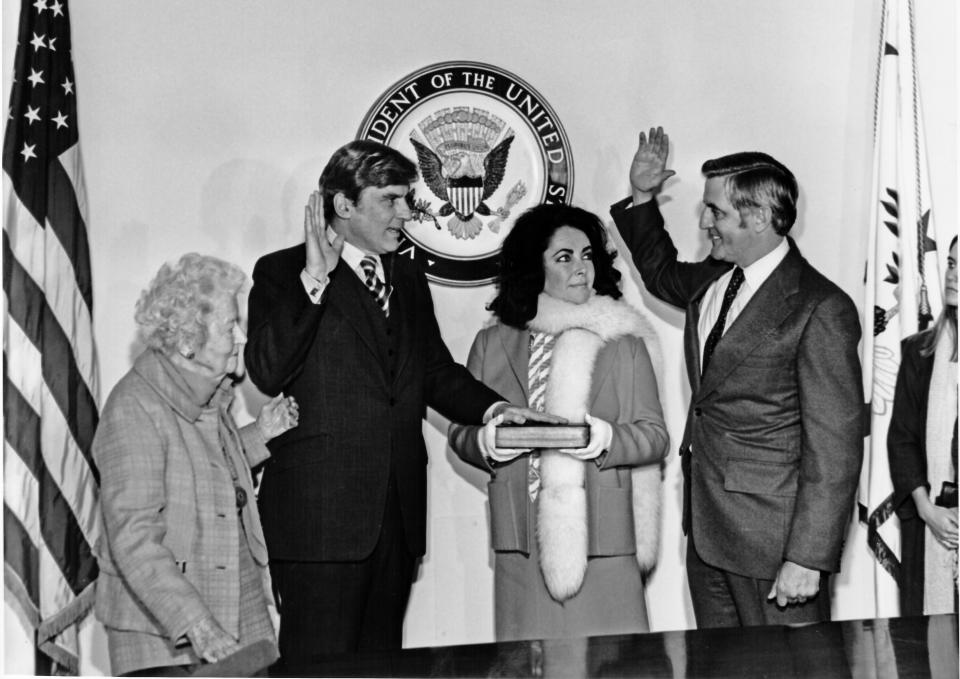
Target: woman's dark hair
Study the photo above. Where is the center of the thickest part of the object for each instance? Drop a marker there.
(946, 323)
(521, 276)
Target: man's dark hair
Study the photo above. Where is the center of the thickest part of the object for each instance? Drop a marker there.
(521, 276)
(361, 164)
(754, 179)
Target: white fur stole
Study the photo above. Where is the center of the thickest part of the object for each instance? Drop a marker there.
(581, 331)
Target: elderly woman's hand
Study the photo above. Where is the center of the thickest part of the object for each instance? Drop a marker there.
(277, 416)
(210, 641)
(601, 435)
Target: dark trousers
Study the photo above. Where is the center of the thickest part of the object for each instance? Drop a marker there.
(725, 599)
(330, 607)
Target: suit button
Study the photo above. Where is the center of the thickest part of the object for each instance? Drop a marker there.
(698, 412)
(389, 352)
(393, 401)
(389, 332)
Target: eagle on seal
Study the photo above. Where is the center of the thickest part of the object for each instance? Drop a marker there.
(463, 187)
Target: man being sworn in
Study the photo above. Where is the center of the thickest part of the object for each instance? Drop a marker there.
(348, 329)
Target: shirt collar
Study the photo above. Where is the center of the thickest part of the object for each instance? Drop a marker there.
(352, 255)
(760, 270)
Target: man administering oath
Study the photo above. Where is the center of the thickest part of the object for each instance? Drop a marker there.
(348, 329)
(773, 443)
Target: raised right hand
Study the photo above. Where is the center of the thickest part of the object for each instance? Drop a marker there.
(322, 256)
(210, 641)
(648, 169)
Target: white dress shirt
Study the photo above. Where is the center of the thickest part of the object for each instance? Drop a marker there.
(351, 256)
(753, 277)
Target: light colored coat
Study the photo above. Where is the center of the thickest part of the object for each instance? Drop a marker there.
(621, 389)
(169, 552)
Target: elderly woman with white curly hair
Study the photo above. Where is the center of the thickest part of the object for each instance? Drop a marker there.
(183, 562)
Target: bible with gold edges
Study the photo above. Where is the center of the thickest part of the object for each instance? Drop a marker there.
(540, 435)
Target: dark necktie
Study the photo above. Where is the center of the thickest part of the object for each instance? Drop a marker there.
(717, 332)
(374, 284)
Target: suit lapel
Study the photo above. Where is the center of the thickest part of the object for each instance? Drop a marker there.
(767, 309)
(401, 312)
(516, 347)
(691, 338)
(601, 369)
(352, 299)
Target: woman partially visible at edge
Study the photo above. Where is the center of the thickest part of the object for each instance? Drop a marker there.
(573, 530)
(183, 564)
(922, 444)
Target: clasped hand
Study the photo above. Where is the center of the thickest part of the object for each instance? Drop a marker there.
(277, 416)
(794, 584)
(941, 521)
(210, 641)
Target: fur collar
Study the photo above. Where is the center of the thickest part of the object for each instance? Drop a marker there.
(604, 316)
(581, 331)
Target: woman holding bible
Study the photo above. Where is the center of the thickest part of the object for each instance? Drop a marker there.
(574, 530)
(922, 445)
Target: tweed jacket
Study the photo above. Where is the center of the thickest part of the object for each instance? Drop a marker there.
(623, 392)
(775, 423)
(169, 551)
(363, 383)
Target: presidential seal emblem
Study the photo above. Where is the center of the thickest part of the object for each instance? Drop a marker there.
(488, 147)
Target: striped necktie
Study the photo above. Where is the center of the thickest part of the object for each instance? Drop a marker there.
(379, 291)
(538, 371)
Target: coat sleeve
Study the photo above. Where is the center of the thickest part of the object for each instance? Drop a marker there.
(449, 387)
(655, 255)
(254, 447)
(639, 434)
(907, 431)
(131, 453)
(830, 391)
(463, 437)
(282, 324)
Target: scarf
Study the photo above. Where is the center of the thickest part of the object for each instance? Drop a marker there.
(940, 563)
(581, 331)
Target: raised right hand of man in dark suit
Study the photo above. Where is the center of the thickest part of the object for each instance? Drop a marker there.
(648, 170)
(322, 255)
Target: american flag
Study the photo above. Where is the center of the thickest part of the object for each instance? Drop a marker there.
(50, 378)
(903, 282)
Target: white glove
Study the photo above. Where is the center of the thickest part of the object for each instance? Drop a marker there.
(486, 439)
(601, 435)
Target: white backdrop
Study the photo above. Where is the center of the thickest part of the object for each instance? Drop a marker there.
(204, 126)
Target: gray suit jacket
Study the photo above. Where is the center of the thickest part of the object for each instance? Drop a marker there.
(774, 425)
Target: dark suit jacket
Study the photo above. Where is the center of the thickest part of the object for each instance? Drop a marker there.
(363, 384)
(775, 423)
